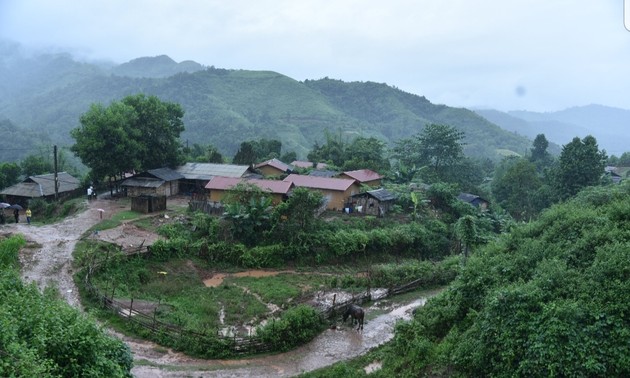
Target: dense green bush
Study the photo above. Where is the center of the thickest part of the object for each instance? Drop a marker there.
(43, 336)
(296, 326)
(551, 299)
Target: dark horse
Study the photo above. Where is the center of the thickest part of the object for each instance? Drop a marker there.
(355, 312)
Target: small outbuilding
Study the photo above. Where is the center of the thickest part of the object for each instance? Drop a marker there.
(376, 202)
(474, 200)
(154, 182)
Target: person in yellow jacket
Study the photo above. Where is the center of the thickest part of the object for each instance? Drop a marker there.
(28, 215)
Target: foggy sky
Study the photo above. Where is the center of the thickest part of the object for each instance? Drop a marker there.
(541, 55)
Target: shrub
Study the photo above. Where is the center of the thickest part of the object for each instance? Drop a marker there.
(296, 326)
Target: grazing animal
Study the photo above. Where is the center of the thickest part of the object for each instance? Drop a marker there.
(355, 312)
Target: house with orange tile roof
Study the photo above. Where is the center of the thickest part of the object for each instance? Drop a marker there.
(336, 191)
(364, 177)
(219, 187)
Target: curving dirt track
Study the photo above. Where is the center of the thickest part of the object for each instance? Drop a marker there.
(47, 261)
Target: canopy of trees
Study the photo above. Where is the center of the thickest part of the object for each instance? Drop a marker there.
(134, 134)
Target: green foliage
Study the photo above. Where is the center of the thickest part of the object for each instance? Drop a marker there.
(296, 326)
(9, 174)
(134, 134)
(437, 146)
(294, 220)
(580, 164)
(248, 209)
(34, 165)
(517, 188)
(550, 299)
(42, 335)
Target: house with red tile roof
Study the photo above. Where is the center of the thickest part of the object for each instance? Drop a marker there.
(364, 177)
(273, 167)
(219, 186)
(336, 191)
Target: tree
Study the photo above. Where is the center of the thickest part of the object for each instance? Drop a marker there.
(366, 153)
(248, 208)
(516, 186)
(9, 174)
(333, 151)
(246, 155)
(295, 219)
(539, 154)
(437, 146)
(135, 134)
(581, 164)
(35, 165)
(466, 231)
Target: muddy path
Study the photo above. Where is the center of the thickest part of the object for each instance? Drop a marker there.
(47, 261)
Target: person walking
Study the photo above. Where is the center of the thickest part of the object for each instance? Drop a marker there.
(28, 215)
(16, 214)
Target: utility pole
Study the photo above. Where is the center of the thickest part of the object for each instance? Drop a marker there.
(56, 178)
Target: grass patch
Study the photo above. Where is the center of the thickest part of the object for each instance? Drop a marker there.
(280, 289)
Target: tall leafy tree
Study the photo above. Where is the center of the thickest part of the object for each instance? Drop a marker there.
(516, 186)
(246, 155)
(581, 164)
(137, 133)
(36, 165)
(539, 154)
(440, 147)
(157, 125)
(368, 153)
(333, 151)
(9, 174)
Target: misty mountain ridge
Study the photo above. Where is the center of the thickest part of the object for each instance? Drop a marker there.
(609, 125)
(225, 107)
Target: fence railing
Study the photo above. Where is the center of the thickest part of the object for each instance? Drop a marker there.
(236, 344)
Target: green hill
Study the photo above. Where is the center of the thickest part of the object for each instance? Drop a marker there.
(226, 107)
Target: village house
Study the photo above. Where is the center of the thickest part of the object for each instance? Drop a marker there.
(336, 191)
(42, 186)
(376, 202)
(154, 182)
(273, 168)
(197, 175)
(219, 187)
(363, 177)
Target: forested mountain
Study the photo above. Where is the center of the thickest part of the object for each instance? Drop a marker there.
(224, 107)
(608, 125)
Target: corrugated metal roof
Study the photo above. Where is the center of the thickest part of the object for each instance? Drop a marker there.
(42, 185)
(363, 175)
(165, 174)
(381, 195)
(320, 182)
(272, 186)
(206, 171)
(143, 182)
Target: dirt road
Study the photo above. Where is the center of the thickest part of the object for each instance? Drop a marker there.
(47, 260)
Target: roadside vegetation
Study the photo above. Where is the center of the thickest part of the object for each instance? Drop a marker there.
(43, 336)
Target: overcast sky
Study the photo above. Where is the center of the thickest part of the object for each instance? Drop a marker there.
(541, 55)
